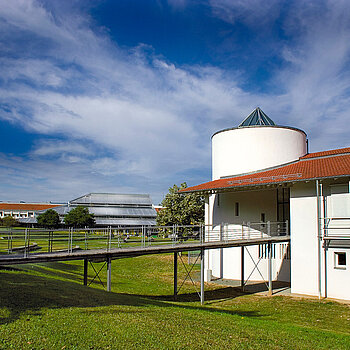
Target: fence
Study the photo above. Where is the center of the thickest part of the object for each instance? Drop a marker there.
(31, 240)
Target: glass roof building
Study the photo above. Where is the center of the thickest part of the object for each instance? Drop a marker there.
(113, 209)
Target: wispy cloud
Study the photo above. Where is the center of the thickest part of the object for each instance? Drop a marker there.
(128, 114)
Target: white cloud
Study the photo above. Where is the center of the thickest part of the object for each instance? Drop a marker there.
(133, 115)
(253, 12)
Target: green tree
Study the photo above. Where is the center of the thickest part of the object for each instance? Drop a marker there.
(181, 209)
(49, 219)
(79, 217)
(9, 221)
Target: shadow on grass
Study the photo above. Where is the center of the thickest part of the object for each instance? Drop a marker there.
(24, 293)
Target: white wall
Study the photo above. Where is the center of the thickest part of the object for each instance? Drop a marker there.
(304, 248)
(243, 150)
(338, 279)
(220, 210)
(251, 205)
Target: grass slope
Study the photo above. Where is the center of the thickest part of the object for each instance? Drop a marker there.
(46, 307)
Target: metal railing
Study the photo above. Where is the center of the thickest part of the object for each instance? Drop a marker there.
(335, 227)
(33, 240)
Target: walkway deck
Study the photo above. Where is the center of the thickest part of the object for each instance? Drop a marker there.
(117, 253)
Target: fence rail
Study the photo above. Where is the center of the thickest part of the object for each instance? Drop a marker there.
(33, 240)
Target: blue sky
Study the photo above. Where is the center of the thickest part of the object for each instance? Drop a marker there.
(123, 96)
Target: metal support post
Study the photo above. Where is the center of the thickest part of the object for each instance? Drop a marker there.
(269, 247)
(221, 255)
(325, 269)
(202, 276)
(319, 236)
(86, 264)
(109, 274)
(175, 275)
(242, 268)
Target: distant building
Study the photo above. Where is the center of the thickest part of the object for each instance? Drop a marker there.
(23, 210)
(112, 209)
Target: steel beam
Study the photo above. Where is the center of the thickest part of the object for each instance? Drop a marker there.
(86, 264)
(269, 247)
(202, 276)
(319, 237)
(109, 274)
(175, 275)
(242, 268)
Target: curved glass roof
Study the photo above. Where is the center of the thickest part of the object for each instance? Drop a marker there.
(257, 117)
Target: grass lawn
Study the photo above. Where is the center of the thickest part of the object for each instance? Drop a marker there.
(46, 307)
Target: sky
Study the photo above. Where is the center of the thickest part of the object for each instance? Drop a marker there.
(123, 96)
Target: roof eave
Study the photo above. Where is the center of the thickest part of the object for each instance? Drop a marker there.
(232, 188)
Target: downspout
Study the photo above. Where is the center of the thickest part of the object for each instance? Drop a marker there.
(319, 237)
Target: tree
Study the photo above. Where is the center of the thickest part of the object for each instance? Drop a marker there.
(181, 209)
(79, 217)
(9, 221)
(49, 219)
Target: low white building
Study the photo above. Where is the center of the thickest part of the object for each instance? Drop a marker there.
(23, 210)
(266, 183)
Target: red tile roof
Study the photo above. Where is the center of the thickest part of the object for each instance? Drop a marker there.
(26, 206)
(326, 153)
(335, 163)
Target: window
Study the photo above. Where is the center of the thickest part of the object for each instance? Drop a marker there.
(236, 209)
(340, 260)
(283, 197)
(218, 200)
(262, 217)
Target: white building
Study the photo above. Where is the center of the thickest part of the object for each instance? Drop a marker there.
(264, 182)
(23, 210)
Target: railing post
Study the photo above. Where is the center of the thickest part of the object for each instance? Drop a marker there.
(269, 228)
(71, 241)
(287, 227)
(25, 242)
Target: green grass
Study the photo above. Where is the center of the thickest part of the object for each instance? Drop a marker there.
(46, 307)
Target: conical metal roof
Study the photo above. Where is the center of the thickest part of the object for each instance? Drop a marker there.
(257, 117)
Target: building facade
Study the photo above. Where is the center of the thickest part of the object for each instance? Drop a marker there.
(266, 183)
(23, 210)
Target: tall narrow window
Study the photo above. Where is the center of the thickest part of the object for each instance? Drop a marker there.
(236, 209)
(262, 217)
(218, 200)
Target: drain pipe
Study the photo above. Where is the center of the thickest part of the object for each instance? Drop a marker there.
(319, 235)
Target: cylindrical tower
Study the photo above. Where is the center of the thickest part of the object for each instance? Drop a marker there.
(256, 144)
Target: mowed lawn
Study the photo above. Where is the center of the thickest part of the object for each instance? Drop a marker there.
(46, 307)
